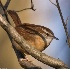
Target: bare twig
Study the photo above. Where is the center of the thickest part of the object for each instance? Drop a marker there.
(56, 63)
(3, 12)
(7, 4)
(24, 64)
(64, 24)
(53, 3)
(67, 20)
(32, 7)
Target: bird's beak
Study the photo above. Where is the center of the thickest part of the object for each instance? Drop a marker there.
(56, 38)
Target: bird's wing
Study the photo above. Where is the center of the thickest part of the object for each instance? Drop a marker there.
(41, 29)
(37, 30)
(30, 34)
(28, 31)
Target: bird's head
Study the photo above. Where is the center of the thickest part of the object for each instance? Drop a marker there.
(50, 36)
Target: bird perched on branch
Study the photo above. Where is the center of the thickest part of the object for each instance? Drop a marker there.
(37, 36)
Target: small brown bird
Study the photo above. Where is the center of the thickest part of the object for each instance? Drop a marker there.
(38, 36)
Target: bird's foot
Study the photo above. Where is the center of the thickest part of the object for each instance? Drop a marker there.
(25, 59)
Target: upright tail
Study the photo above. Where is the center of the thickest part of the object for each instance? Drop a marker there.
(15, 17)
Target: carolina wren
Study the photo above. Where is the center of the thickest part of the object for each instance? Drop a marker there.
(38, 36)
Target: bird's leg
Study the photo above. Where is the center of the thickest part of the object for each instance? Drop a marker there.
(25, 59)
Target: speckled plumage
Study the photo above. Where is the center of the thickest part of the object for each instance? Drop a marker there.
(37, 36)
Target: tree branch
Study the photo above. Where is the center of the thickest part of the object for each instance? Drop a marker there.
(24, 64)
(55, 63)
(28, 65)
(53, 3)
(64, 24)
(20, 55)
(7, 4)
(67, 20)
(32, 7)
(3, 11)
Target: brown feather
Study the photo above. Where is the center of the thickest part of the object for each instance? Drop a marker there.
(15, 17)
(35, 35)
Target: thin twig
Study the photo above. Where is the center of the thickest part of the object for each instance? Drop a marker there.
(23, 10)
(67, 20)
(7, 4)
(24, 64)
(32, 7)
(64, 24)
(53, 3)
(55, 63)
(3, 11)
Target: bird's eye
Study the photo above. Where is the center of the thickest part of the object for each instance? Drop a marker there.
(47, 34)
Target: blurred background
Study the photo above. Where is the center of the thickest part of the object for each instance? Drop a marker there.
(47, 15)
